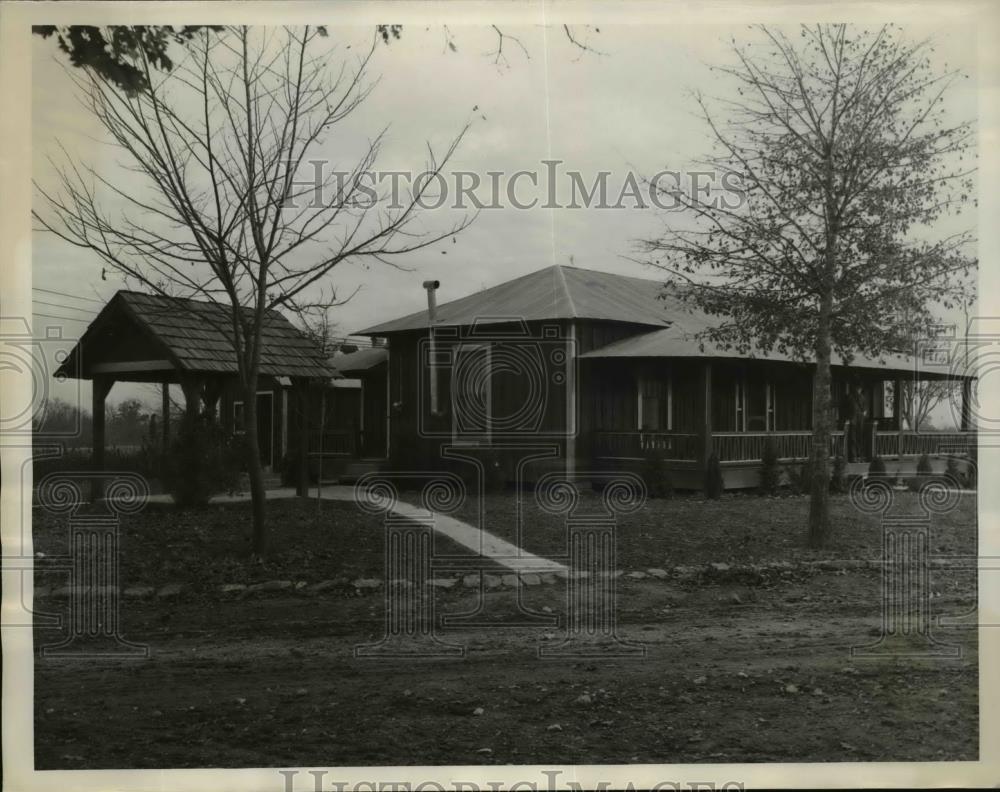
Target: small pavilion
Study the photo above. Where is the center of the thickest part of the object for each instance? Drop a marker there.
(140, 337)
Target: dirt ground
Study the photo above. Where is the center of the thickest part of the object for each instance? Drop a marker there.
(736, 668)
(730, 674)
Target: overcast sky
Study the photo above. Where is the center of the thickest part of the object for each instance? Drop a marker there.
(630, 106)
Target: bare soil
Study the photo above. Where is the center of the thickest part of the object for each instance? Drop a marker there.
(731, 672)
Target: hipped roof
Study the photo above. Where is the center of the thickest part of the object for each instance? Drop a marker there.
(564, 292)
(556, 292)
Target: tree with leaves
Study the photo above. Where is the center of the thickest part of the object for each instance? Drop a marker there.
(221, 205)
(842, 145)
(111, 51)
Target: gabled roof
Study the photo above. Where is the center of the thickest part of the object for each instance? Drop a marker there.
(194, 336)
(556, 292)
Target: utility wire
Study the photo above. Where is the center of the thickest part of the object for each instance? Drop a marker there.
(61, 305)
(65, 318)
(69, 296)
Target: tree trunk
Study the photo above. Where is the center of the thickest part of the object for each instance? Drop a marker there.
(819, 507)
(255, 470)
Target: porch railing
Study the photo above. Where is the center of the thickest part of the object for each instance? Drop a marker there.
(749, 446)
(669, 445)
(731, 446)
(909, 443)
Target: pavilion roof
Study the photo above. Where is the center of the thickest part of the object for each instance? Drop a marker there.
(193, 335)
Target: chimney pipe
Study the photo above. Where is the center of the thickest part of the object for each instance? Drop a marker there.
(432, 286)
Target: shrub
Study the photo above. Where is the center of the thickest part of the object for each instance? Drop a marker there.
(201, 462)
(971, 479)
(924, 465)
(800, 478)
(952, 470)
(713, 477)
(876, 468)
(838, 475)
(769, 469)
(657, 478)
(146, 460)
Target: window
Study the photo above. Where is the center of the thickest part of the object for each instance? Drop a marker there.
(655, 404)
(889, 399)
(758, 396)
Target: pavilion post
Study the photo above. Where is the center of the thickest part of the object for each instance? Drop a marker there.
(101, 388)
(705, 430)
(302, 484)
(192, 387)
(966, 416)
(210, 397)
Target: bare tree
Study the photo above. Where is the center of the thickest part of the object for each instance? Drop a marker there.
(221, 208)
(839, 140)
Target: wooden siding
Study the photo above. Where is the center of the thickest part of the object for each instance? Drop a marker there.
(416, 436)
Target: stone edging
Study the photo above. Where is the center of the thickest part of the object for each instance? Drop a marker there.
(718, 571)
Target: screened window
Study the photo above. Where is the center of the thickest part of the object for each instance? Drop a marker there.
(654, 404)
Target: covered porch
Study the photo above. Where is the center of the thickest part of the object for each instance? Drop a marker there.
(683, 409)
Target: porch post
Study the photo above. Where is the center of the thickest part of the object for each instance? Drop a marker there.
(101, 388)
(897, 411)
(165, 414)
(966, 417)
(571, 404)
(705, 431)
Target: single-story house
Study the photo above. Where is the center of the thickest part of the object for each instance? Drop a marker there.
(605, 369)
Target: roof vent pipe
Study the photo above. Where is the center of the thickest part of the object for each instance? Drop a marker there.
(432, 286)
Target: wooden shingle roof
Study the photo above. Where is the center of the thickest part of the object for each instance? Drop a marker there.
(194, 335)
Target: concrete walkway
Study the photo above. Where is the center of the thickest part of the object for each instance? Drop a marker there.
(481, 542)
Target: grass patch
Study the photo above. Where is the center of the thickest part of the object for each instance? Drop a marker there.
(735, 528)
(211, 546)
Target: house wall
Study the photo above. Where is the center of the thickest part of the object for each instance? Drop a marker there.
(282, 427)
(777, 396)
(527, 395)
(374, 410)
